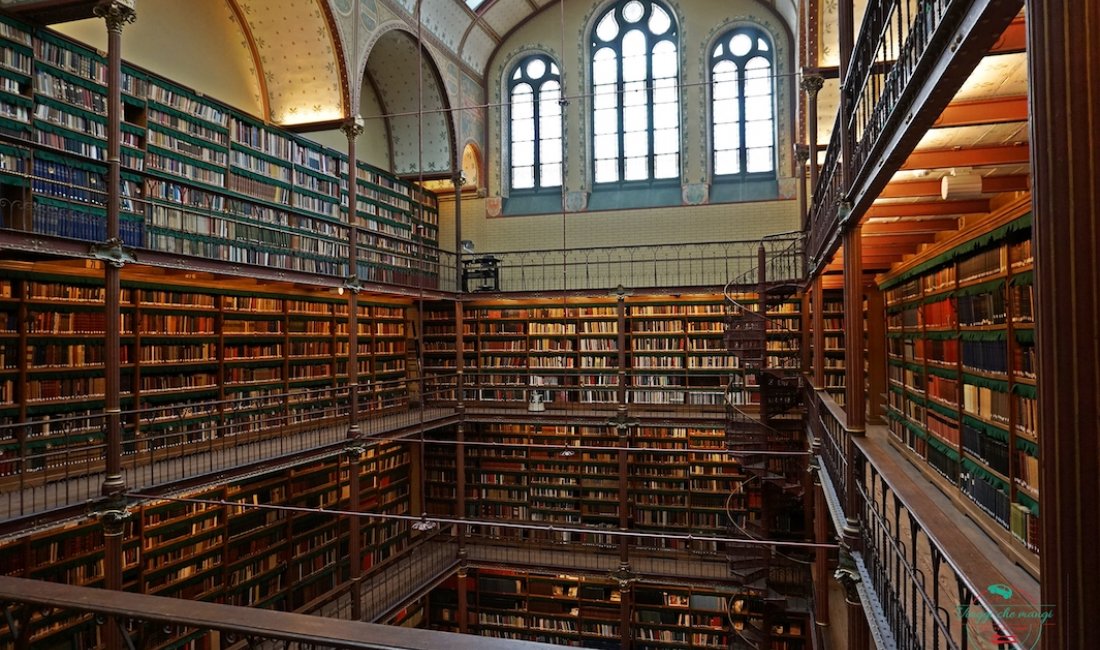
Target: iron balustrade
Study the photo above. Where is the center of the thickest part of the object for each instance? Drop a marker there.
(57, 462)
(688, 265)
(824, 208)
(894, 41)
(922, 598)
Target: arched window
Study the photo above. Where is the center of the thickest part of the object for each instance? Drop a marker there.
(635, 93)
(743, 103)
(534, 92)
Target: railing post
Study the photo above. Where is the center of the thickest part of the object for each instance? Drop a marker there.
(821, 536)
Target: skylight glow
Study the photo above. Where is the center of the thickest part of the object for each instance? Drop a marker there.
(474, 4)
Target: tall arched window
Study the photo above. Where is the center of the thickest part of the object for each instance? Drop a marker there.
(534, 92)
(635, 88)
(743, 104)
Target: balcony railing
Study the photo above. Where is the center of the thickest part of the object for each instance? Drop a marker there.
(912, 591)
(701, 265)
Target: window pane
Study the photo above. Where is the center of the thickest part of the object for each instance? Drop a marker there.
(758, 108)
(608, 27)
(727, 135)
(667, 166)
(665, 116)
(761, 45)
(759, 160)
(523, 153)
(740, 45)
(664, 91)
(518, 73)
(550, 127)
(522, 102)
(758, 133)
(727, 162)
(634, 44)
(633, 11)
(664, 60)
(636, 169)
(726, 110)
(666, 141)
(605, 97)
(606, 146)
(634, 93)
(634, 67)
(605, 121)
(523, 177)
(719, 51)
(758, 77)
(536, 68)
(523, 130)
(607, 171)
(604, 68)
(548, 100)
(550, 175)
(659, 22)
(550, 150)
(636, 145)
(635, 118)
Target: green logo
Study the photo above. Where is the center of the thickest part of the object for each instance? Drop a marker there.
(1010, 622)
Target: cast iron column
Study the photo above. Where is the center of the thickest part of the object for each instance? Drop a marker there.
(353, 128)
(114, 514)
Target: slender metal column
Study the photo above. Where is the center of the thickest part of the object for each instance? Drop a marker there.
(458, 180)
(353, 128)
(113, 513)
(812, 84)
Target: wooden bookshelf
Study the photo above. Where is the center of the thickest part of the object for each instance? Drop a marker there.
(224, 553)
(200, 178)
(680, 481)
(961, 368)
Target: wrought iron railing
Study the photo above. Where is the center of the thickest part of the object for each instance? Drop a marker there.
(894, 42)
(916, 596)
(58, 462)
(703, 265)
(827, 195)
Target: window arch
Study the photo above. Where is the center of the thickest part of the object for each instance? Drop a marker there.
(743, 103)
(535, 131)
(635, 93)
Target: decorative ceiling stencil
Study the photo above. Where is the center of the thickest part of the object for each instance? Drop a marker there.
(297, 53)
(447, 20)
(414, 139)
(478, 48)
(503, 15)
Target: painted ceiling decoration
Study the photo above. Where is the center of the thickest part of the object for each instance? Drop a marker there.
(419, 142)
(299, 56)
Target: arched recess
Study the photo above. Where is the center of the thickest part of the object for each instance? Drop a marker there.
(418, 142)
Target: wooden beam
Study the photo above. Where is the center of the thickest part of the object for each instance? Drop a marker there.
(911, 226)
(928, 208)
(983, 111)
(968, 157)
(990, 185)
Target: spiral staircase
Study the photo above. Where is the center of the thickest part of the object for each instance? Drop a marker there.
(755, 438)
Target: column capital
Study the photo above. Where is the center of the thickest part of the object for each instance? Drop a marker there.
(458, 179)
(117, 13)
(801, 153)
(811, 83)
(353, 127)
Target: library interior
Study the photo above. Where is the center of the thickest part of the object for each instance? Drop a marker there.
(403, 324)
